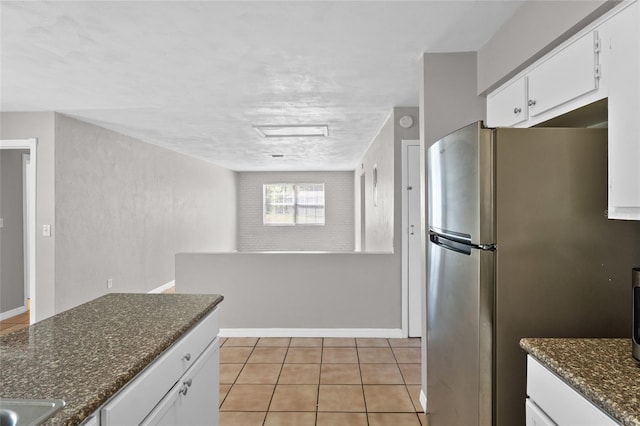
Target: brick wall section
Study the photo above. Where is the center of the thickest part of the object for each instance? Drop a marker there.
(336, 235)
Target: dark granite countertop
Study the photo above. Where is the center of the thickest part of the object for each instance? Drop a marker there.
(86, 354)
(602, 370)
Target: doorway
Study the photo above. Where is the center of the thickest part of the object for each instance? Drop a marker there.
(411, 269)
(24, 152)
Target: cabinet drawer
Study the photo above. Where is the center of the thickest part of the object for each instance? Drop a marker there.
(563, 404)
(134, 402)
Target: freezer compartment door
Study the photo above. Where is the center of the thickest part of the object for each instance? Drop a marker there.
(459, 335)
(460, 184)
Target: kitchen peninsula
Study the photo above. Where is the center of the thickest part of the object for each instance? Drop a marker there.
(95, 355)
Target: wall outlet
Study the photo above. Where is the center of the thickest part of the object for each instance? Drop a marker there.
(110, 283)
(1, 222)
(46, 230)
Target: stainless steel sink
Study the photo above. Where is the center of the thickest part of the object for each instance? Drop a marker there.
(27, 412)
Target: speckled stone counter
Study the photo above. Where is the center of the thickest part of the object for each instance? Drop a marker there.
(86, 354)
(603, 370)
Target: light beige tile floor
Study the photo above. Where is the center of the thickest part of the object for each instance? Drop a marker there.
(320, 382)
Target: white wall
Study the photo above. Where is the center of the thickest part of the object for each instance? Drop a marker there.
(124, 208)
(337, 234)
(40, 125)
(535, 29)
(12, 232)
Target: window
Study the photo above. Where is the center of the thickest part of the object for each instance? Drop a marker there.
(293, 204)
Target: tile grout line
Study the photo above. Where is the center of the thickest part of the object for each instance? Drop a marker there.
(405, 384)
(244, 364)
(364, 398)
(319, 379)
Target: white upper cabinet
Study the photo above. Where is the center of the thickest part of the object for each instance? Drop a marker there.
(566, 78)
(508, 106)
(565, 75)
(621, 56)
(602, 61)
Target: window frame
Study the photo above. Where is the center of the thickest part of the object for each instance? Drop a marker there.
(295, 205)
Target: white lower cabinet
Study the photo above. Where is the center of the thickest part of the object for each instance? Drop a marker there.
(535, 416)
(552, 402)
(181, 387)
(193, 400)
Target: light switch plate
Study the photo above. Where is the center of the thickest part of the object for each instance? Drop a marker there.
(46, 230)
(1, 222)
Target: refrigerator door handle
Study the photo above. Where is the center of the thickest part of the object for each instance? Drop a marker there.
(453, 245)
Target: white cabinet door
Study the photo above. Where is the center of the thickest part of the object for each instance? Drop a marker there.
(508, 106)
(621, 56)
(535, 416)
(564, 76)
(194, 400)
(93, 420)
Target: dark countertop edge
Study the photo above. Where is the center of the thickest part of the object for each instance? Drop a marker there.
(600, 401)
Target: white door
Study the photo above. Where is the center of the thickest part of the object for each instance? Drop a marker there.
(412, 230)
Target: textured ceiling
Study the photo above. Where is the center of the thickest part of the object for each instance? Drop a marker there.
(195, 76)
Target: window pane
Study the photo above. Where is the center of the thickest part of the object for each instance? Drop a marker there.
(279, 208)
(310, 215)
(289, 204)
(310, 204)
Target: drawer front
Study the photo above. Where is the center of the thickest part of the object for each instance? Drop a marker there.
(134, 402)
(563, 404)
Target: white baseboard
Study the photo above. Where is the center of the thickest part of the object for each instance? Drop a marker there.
(423, 400)
(311, 332)
(13, 312)
(163, 287)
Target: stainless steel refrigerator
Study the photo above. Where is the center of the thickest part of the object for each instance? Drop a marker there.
(520, 246)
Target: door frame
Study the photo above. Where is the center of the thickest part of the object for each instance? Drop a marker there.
(29, 144)
(405, 240)
(26, 218)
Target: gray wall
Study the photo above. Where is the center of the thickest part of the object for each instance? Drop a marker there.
(12, 232)
(535, 29)
(336, 235)
(296, 290)
(124, 208)
(383, 221)
(448, 101)
(41, 125)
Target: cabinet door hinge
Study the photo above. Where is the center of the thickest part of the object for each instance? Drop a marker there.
(597, 71)
(596, 43)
